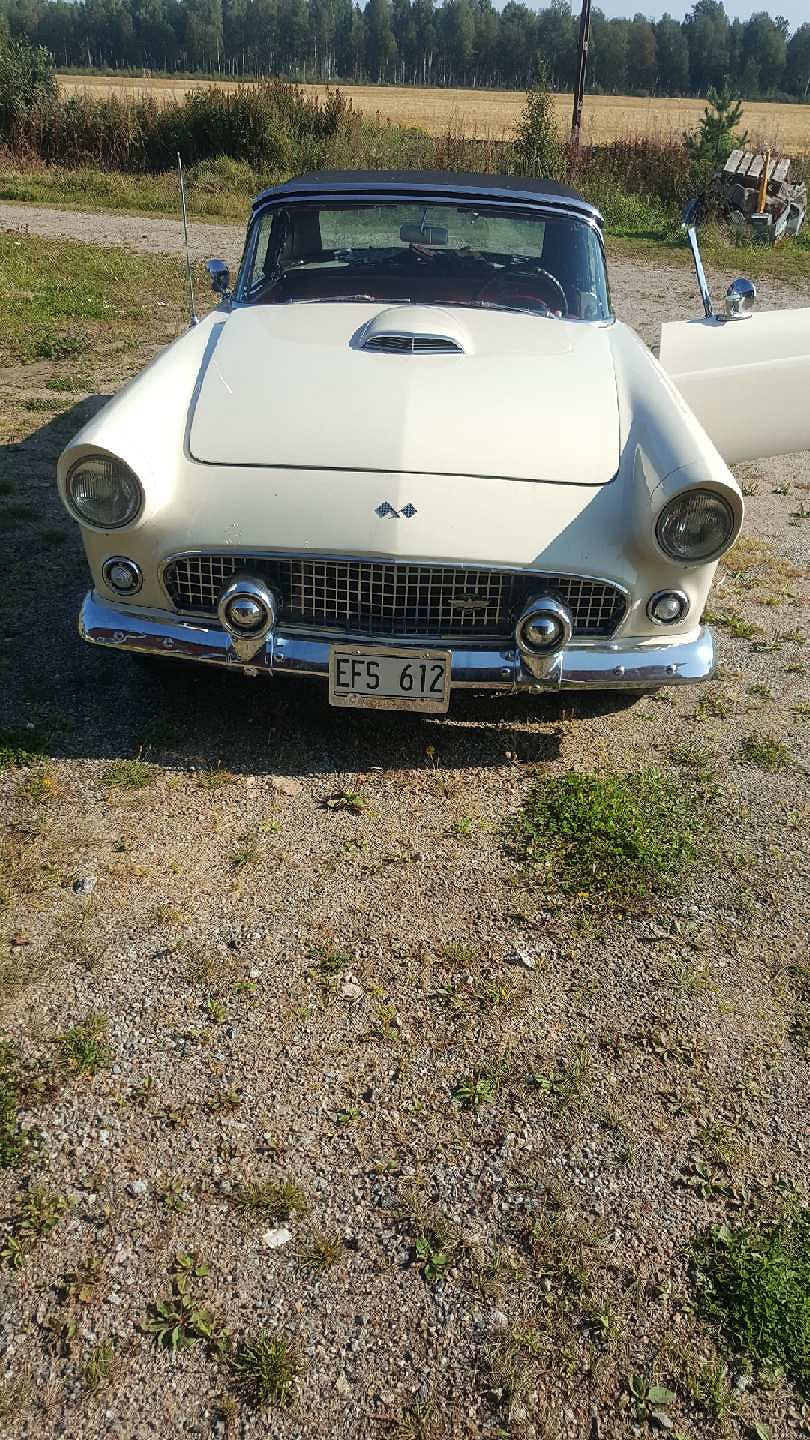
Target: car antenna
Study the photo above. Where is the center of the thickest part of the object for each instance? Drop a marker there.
(194, 319)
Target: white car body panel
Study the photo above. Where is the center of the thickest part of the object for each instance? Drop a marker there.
(291, 385)
(747, 380)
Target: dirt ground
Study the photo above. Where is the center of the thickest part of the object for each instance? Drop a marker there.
(309, 941)
(494, 112)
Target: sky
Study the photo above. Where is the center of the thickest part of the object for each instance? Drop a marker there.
(796, 11)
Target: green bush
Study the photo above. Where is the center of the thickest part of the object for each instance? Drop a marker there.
(27, 79)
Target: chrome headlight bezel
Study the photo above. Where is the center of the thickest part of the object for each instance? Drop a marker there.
(665, 520)
(128, 485)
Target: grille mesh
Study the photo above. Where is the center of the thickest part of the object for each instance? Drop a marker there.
(413, 344)
(386, 598)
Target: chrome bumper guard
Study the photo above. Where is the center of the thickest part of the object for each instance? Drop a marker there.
(605, 665)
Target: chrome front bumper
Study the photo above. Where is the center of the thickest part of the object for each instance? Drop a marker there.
(607, 665)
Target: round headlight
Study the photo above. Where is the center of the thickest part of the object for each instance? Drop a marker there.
(695, 525)
(103, 491)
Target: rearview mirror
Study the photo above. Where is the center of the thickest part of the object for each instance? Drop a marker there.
(220, 276)
(423, 234)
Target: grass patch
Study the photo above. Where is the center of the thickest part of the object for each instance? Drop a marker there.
(19, 748)
(322, 1252)
(614, 837)
(754, 1282)
(84, 1049)
(98, 1367)
(63, 299)
(264, 1368)
(733, 624)
(129, 775)
(765, 751)
(271, 1199)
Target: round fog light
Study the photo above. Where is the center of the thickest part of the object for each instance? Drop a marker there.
(247, 610)
(122, 575)
(666, 607)
(245, 613)
(544, 626)
(543, 632)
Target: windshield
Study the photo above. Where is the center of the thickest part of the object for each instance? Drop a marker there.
(486, 256)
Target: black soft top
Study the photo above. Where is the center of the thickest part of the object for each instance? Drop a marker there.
(432, 184)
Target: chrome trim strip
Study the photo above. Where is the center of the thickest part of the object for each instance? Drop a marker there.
(627, 665)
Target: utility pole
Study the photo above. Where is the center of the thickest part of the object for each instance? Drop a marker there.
(582, 66)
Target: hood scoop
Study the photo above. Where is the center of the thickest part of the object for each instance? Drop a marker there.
(414, 330)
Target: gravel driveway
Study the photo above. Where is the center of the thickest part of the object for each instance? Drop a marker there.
(444, 1132)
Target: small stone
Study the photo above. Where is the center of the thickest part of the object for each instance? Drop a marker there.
(84, 884)
(274, 1239)
(520, 957)
(138, 1187)
(284, 785)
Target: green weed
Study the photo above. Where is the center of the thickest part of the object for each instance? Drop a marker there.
(754, 1281)
(271, 1199)
(98, 1367)
(766, 752)
(39, 1214)
(322, 1251)
(19, 748)
(264, 1369)
(129, 775)
(435, 1249)
(84, 1049)
(620, 837)
(178, 1319)
(479, 1088)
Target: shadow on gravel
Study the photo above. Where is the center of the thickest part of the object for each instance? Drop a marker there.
(93, 704)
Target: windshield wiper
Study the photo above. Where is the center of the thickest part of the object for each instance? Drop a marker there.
(342, 300)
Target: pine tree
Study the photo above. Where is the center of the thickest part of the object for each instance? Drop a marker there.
(711, 144)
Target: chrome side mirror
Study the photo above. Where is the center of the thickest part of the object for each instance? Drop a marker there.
(220, 276)
(740, 295)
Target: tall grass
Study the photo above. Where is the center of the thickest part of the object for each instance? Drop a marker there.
(111, 152)
(276, 129)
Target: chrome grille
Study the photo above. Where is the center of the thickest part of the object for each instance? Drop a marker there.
(393, 598)
(413, 345)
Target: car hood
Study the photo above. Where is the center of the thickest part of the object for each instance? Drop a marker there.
(521, 397)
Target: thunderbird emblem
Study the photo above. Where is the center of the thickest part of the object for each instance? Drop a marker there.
(386, 508)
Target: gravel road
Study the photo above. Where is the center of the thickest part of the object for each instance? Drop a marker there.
(311, 944)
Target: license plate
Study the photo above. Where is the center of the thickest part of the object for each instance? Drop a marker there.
(385, 679)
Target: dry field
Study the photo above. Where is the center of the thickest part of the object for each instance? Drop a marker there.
(306, 1069)
(493, 113)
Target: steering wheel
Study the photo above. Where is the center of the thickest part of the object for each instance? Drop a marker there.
(517, 288)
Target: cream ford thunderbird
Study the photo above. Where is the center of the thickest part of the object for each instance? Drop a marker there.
(412, 451)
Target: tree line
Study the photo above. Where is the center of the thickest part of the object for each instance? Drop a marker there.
(460, 42)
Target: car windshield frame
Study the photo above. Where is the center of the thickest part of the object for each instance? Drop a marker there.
(519, 208)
